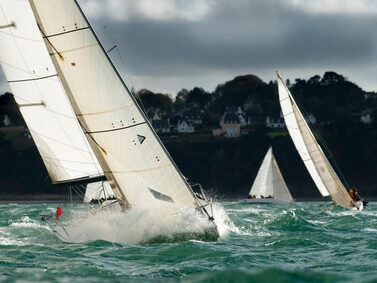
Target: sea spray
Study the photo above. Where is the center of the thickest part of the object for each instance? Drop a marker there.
(136, 226)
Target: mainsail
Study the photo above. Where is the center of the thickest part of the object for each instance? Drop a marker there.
(269, 181)
(137, 165)
(41, 98)
(322, 173)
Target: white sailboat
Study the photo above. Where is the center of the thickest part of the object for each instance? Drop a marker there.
(139, 169)
(42, 100)
(269, 185)
(320, 169)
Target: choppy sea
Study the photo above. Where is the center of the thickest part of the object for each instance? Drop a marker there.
(301, 242)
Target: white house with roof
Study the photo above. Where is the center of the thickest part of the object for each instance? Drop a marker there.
(237, 110)
(185, 127)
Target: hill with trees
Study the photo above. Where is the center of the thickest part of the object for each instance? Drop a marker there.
(228, 166)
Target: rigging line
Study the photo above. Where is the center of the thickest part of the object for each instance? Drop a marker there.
(57, 141)
(71, 161)
(49, 42)
(91, 137)
(322, 140)
(33, 79)
(113, 130)
(62, 33)
(124, 65)
(111, 49)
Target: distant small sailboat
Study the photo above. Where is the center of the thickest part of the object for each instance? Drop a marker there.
(320, 169)
(269, 185)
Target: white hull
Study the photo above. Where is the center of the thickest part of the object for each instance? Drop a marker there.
(263, 201)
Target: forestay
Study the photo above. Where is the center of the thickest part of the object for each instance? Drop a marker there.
(138, 167)
(322, 173)
(40, 96)
(269, 181)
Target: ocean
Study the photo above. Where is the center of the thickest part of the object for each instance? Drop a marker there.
(301, 242)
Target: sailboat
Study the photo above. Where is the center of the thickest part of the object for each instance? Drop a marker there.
(269, 185)
(42, 100)
(136, 164)
(318, 166)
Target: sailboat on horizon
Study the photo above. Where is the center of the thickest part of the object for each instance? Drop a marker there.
(269, 186)
(137, 166)
(316, 162)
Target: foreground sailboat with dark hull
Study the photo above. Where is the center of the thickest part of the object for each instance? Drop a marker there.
(138, 167)
(316, 162)
(269, 186)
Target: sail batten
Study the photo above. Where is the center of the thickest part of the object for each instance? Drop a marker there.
(318, 166)
(93, 86)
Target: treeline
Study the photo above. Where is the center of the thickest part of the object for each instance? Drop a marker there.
(228, 166)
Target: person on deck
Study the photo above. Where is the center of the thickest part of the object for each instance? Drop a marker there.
(59, 212)
(354, 194)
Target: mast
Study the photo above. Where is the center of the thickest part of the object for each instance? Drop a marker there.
(42, 100)
(322, 173)
(139, 169)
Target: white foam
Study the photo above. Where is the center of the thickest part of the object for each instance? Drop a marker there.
(27, 222)
(135, 226)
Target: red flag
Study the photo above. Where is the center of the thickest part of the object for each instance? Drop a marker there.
(59, 212)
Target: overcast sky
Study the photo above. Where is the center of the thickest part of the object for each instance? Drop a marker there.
(168, 45)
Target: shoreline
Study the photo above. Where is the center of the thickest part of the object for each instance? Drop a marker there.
(54, 198)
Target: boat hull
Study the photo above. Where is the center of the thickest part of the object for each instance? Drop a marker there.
(263, 201)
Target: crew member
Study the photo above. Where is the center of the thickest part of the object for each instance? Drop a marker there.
(59, 212)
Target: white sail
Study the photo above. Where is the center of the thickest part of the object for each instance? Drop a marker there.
(138, 167)
(281, 191)
(40, 96)
(269, 181)
(97, 191)
(322, 173)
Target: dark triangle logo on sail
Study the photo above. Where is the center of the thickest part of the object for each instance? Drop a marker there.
(141, 139)
(160, 196)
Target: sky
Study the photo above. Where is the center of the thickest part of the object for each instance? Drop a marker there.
(167, 45)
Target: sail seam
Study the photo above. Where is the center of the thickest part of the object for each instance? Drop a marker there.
(107, 111)
(61, 33)
(112, 130)
(33, 79)
(140, 170)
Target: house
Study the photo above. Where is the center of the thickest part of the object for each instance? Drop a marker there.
(230, 125)
(366, 118)
(275, 122)
(185, 127)
(194, 116)
(237, 110)
(161, 126)
(154, 114)
(6, 120)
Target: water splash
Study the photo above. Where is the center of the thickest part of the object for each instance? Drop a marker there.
(137, 226)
